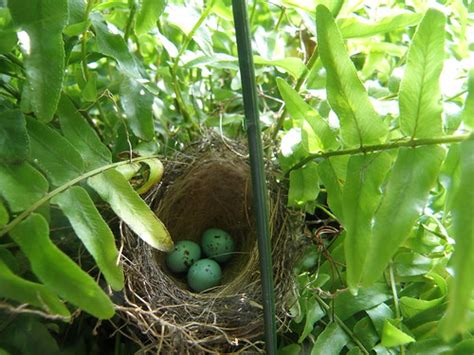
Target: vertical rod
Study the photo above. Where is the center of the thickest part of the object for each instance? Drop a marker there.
(259, 189)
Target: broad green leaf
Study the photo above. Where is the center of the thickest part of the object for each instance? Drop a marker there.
(137, 104)
(468, 111)
(462, 286)
(365, 331)
(293, 65)
(347, 304)
(420, 96)
(89, 91)
(304, 185)
(299, 110)
(21, 186)
(360, 198)
(57, 271)
(113, 45)
(59, 160)
(360, 124)
(412, 264)
(148, 13)
(356, 27)
(405, 195)
(392, 336)
(94, 233)
(81, 134)
(412, 306)
(127, 204)
(43, 22)
(24, 291)
(449, 175)
(14, 143)
(378, 315)
(430, 347)
(155, 173)
(313, 313)
(330, 341)
(76, 11)
(4, 217)
(332, 172)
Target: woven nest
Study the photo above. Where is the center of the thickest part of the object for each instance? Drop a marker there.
(208, 186)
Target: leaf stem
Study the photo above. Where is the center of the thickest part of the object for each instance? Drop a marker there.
(343, 325)
(131, 16)
(410, 143)
(64, 187)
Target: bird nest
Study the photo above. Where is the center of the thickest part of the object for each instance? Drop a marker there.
(208, 186)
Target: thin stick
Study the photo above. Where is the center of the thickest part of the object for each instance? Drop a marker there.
(259, 189)
(411, 143)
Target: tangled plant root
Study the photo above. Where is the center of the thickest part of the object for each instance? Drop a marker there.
(209, 186)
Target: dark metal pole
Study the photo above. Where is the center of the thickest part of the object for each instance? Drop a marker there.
(259, 188)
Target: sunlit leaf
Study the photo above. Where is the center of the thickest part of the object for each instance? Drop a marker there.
(94, 233)
(392, 336)
(292, 65)
(319, 136)
(81, 134)
(405, 194)
(127, 204)
(59, 273)
(353, 27)
(43, 21)
(462, 286)
(148, 13)
(155, 172)
(411, 306)
(468, 111)
(420, 96)
(304, 185)
(113, 45)
(378, 315)
(14, 143)
(58, 159)
(360, 199)
(24, 291)
(21, 185)
(137, 102)
(360, 124)
(330, 341)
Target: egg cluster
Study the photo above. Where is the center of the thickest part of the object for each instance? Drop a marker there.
(218, 247)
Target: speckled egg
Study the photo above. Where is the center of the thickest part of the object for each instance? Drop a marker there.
(204, 274)
(184, 254)
(217, 244)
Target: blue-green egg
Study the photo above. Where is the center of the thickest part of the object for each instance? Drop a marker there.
(204, 274)
(184, 254)
(218, 244)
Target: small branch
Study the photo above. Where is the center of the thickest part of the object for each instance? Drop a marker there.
(410, 143)
(22, 309)
(343, 325)
(64, 187)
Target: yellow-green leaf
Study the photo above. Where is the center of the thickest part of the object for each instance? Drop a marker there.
(392, 336)
(57, 271)
(24, 291)
(94, 233)
(127, 204)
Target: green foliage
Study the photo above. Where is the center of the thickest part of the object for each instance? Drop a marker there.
(379, 118)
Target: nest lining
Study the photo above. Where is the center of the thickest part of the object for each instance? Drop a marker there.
(207, 187)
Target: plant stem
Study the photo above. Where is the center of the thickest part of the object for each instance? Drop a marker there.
(396, 303)
(410, 143)
(341, 323)
(259, 189)
(299, 83)
(131, 17)
(64, 187)
(174, 68)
